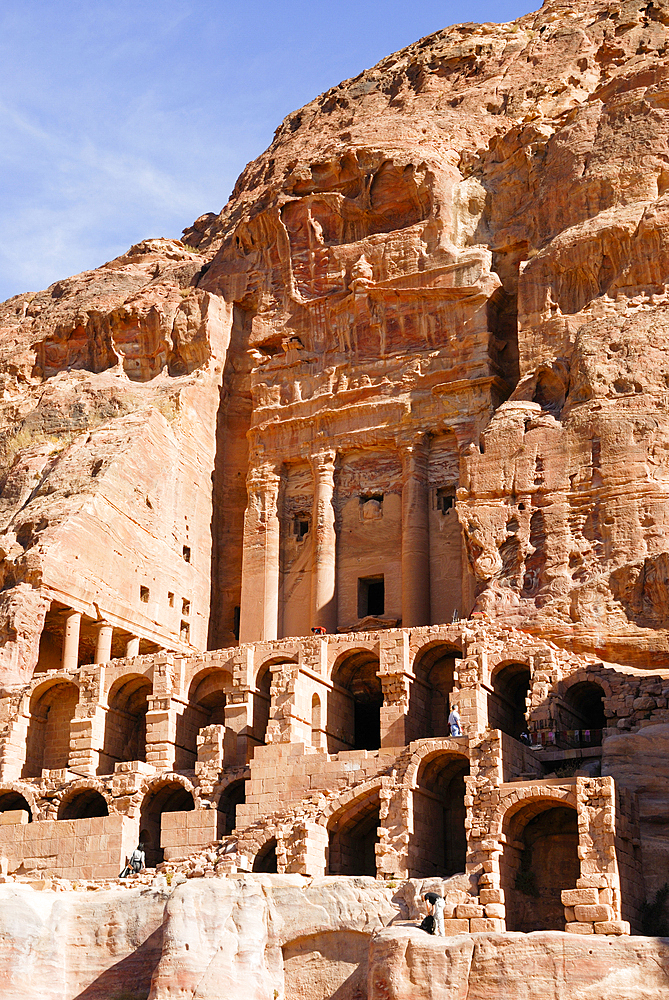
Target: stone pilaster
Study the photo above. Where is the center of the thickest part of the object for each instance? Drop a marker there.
(71, 640)
(87, 728)
(259, 613)
(415, 537)
(323, 599)
(103, 642)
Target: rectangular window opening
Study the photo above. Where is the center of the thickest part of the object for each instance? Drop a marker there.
(185, 606)
(170, 598)
(235, 622)
(185, 632)
(371, 596)
(445, 498)
(300, 526)
(144, 595)
(186, 553)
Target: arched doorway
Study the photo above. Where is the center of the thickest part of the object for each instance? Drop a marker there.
(540, 860)
(83, 804)
(506, 701)
(265, 860)
(582, 710)
(434, 669)
(170, 797)
(48, 739)
(261, 704)
(438, 845)
(207, 696)
(14, 802)
(353, 836)
(234, 795)
(125, 722)
(354, 703)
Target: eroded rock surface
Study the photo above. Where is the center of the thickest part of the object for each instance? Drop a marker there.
(544, 965)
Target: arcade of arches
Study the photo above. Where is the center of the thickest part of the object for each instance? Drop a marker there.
(259, 744)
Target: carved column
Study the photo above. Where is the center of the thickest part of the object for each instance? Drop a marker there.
(323, 579)
(415, 537)
(71, 640)
(259, 614)
(104, 643)
(132, 647)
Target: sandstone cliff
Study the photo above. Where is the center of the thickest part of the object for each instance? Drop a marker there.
(529, 161)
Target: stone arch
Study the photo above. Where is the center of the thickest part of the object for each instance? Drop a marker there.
(316, 720)
(14, 795)
(434, 668)
(82, 786)
(236, 774)
(262, 697)
(354, 701)
(167, 793)
(507, 697)
(581, 706)
(125, 721)
(353, 835)
(436, 786)
(83, 803)
(539, 860)
(50, 709)
(228, 799)
(266, 860)
(208, 693)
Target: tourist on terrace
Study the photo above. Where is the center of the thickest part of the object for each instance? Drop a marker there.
(136, 863)
(437, 905)
(454, 722)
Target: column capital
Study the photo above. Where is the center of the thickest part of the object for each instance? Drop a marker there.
(414, 456)
(265, 475)
(323, 459)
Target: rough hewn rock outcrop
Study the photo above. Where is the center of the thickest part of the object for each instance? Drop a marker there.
(543, 965)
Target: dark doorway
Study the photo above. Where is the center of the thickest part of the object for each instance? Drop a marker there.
(371, 596)
(429, 707)
(12, 802)
(583, 707)
(506, 701)
(540, 860)
(354, 704)
(206, 707)
(171, 797)
(352, 841)
(261, 705)
(439, 843)
(83, 805)
(265, 859)
(48, 740)
(125, 723)
(233, 796)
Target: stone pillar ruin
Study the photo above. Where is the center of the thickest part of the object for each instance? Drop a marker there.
(259, 612)
(71, 640)
(323, 603)
(132, 647)
(104, 643)
(415, 537)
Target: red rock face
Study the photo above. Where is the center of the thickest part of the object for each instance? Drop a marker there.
(465, 247)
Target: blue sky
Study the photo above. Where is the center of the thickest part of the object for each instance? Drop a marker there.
(126, 119)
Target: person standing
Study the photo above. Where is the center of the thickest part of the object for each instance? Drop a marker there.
(437, 906)
(454, 722)
(136, 862)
